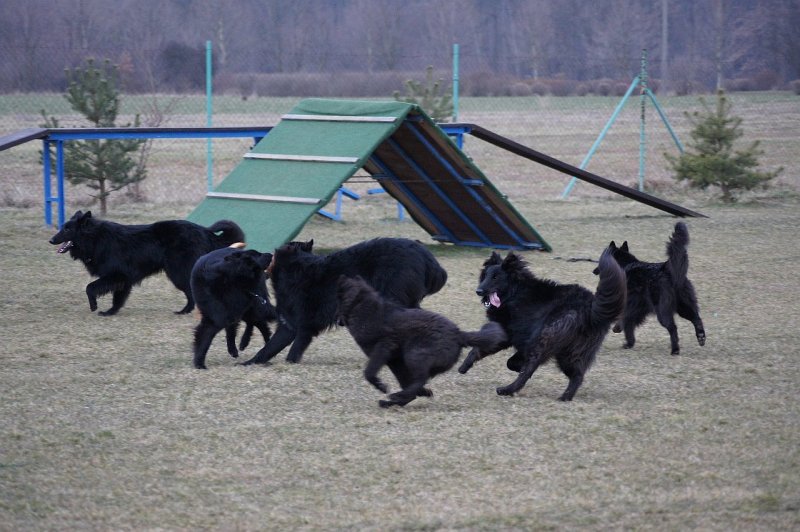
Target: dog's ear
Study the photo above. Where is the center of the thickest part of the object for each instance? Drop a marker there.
(512, 261)
(612, 245)
(515, 267)
(493, 259)
(308, 246)
(286, 249)
(264, 260)
(624, 246)
(83, 218)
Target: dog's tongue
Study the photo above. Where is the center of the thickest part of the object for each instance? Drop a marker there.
(494, 299)
(63, 248)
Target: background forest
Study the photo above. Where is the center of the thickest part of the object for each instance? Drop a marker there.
(505, 45)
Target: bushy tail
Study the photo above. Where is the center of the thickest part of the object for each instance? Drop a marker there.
(609, 298)
(488, 339)
(231, 232)
(677, 255)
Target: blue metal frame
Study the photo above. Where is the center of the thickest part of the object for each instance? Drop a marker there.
(60, 136)
(337, 214)
(444, 197)
(387, 174)
(468, 184)
(456, 133)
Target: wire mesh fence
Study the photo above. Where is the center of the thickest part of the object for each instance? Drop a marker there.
(558, 115)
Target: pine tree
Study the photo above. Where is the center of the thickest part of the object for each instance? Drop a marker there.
(438, 106)
(712, 159)
(102, 165)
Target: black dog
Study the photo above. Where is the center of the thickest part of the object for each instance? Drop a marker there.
(123, 255)
(401, 270)
(230, 285)
(659, 288)
(545, 319)
(416, 344)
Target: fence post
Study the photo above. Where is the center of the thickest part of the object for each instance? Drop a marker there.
(455, 82)
(209, 113)
(643, 102)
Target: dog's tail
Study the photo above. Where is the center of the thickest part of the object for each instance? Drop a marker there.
(677, 254)
(609, 298)
(488, 339)
(231, 232)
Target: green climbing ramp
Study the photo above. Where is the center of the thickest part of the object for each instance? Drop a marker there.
(299, 166)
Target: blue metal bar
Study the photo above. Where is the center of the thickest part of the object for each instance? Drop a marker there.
(400, 211)
(337, 215)
(428, 214)
(65, 134)
(200, 133)
(444, 197)
(47, 178)
(664, 119)
(60, 181)
(467, 183)
(600, 137)
(352, 194)
(478, 244)
(455, 132)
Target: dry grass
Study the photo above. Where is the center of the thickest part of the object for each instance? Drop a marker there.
(107, 426)
(564, 128)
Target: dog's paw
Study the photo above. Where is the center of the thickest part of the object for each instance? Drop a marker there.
(617, 328)
(564, 397)
(109, 312)
(200, 366)
(253, 361)
(701, 338)
(385, 404)
(425, 392)
(675, 352)
(506, 390)
(515, 362)
(626, 345)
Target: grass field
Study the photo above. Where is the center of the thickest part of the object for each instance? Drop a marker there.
(106, 425)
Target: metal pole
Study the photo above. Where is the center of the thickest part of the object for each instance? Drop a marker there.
(643, 102)
(455, 82)
(664, 119)
(600, 137)
(209, 154)
(60, 181)
(48, 214)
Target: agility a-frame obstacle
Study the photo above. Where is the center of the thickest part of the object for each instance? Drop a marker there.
(296, 170)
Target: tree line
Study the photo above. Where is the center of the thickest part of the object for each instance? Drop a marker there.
(159, 45)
